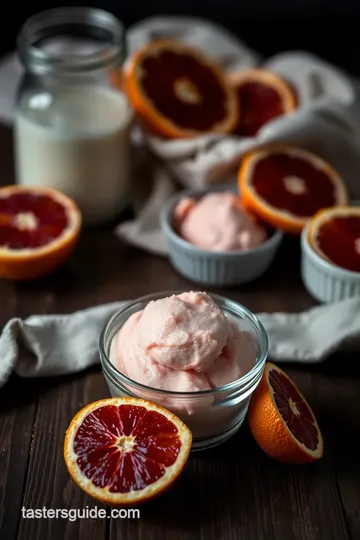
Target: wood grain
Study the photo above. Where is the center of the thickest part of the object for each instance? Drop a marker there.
(48, 483)
(17, 415)
(336, 395)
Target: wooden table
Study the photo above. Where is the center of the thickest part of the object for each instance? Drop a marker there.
(233, 492)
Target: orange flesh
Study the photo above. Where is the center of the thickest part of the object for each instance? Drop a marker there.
(125, 447)
(164, 74)
(30, 220)
(339, 240)
(259, 103)
(293, 410)
(312, 191)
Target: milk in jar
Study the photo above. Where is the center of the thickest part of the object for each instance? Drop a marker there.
(72, 127)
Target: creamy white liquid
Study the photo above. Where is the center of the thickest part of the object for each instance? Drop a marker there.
(77, 140)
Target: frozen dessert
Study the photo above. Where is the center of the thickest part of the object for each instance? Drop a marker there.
(217, 222)
(187, 343)
(184, 343)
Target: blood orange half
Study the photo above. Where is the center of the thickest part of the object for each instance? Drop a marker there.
(282, 421)
(39, 228)
(285, 186)
(179, 92)
(262, 96)
(125, 450)
(334, 234)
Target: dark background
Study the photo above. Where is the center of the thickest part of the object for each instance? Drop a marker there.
(329, 28)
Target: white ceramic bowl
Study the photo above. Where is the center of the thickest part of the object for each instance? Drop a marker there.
(211, 268)
(325, 281)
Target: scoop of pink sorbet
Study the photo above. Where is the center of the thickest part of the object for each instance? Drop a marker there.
(217, 222)
(183, 332)
(183, 343)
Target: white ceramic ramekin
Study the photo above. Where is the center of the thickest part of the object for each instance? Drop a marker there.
(211, 268)
(325, 281)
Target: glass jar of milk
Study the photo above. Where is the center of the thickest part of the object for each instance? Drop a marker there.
(72, 125)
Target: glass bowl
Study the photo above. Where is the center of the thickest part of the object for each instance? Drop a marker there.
(213, 416)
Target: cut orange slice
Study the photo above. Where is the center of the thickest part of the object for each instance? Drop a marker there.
(281, 420)
(262, 97)
(179, 92)
(124, 451)
(39, 228)
(285, 186)
(334, 233)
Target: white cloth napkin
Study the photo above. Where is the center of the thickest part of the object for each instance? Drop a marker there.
(49, 345)
(327, 122)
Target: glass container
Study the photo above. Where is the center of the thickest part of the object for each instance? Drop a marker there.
(213, 415)
(72, 120)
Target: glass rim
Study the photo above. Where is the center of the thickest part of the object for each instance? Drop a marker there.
(263, 345)
(37, 27)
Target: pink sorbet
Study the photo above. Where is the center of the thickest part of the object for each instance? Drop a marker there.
(217, 222)
(183, 343)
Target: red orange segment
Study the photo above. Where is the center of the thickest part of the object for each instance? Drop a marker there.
(334, 234)
(39, 228)
(262, 96)
(282, 421)
(179, 92)
(285, 186)
(125, 450)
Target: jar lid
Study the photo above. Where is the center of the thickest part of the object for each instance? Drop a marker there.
(71, 40)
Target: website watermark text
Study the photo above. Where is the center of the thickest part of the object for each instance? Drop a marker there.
(73, 514)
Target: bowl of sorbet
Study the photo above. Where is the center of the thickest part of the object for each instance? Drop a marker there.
(201, 356)
(212, 240)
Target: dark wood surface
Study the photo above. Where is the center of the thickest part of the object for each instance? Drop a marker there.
(233, 492)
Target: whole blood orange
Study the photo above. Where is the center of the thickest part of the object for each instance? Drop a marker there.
(125, 450)
(334, 233)
(39, 228)
(262, 96)
(281, 420)
(179, 92)
(285, 186)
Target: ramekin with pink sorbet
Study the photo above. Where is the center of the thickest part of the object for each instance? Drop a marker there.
(201, 356)
(214, 241)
